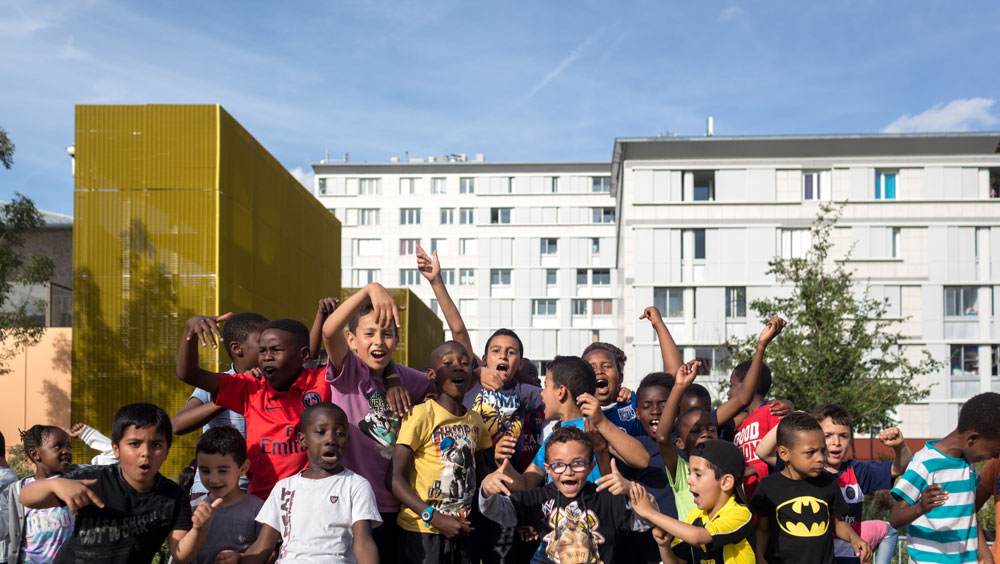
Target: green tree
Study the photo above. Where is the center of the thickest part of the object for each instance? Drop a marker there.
(839, 346)
(18, 327)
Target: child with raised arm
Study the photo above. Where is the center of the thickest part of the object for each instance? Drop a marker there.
(125, 511)
(856, 479)
(325, 513)
(800, 508)
(435, 465)
(717, 529)
(359, 383)
(272, 405)
(935, 497)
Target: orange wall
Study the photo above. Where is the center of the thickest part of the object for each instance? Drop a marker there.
(37, 388)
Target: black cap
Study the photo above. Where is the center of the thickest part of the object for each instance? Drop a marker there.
(728, 458)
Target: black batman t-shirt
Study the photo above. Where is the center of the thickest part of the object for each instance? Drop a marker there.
(801, 517)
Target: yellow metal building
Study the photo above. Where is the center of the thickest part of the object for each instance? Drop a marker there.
(420, 329)
(180, 211)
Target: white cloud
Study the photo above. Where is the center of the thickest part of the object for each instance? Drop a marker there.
(731, 13)
(306, 178)
(958, 115)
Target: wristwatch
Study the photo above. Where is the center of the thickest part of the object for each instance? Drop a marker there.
(427, 515)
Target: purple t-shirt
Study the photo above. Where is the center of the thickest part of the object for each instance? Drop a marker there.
(373, 428)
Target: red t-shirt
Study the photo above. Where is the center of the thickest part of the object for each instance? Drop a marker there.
(749, 433)
(272, 422)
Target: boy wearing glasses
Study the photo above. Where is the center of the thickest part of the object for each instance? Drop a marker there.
(576, 522)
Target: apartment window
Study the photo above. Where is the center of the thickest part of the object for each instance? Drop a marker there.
(448, 276)
(468, 306)
(467, 247)
(601, 307)
(795, 243)
(505, 184)
(435, 307)
(995, 182)
(670, 301)
(467, 216)
(961, 301)
(467, 186)
(447, 216)
(500, 277)
(736, 302)
(409, 277)
(499, 215)
(581, 277)
(439, 245)
(363, 277)
(408, 186)
(579, 307)
(699, 244)
(408, 246)
(551, 276)
(811, 185)
(543, 307)
(322, 186)
(466, 277)
(595, 245)
(553, 184)
(603, 215)
(704, 186)
(601, 277)
(438, 186)
(550, 246)
(896, 236)
(369, 187)
(369, 247)
(885, 184)
(600, 184)
(964, 371)
(368, 216)
(409, 216)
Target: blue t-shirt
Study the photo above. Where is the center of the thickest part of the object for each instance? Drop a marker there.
(540, 457)
(624, 416)
(653, 478)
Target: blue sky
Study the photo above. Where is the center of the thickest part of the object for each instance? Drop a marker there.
(524, 81)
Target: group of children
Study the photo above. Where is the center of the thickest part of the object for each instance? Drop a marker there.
(473, 459)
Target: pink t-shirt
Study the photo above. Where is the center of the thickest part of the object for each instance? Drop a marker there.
(373, 428)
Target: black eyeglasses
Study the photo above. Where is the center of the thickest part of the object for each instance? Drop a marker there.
(576, 466)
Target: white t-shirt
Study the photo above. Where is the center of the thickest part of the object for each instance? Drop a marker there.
(314, 517)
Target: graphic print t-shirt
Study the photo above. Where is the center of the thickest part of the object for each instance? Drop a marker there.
(444, 460)
(801, 514)
(372, 426)
(855, 479)
(45, 530)
(131, 526)
(504, 412)
(748, 435)
(623, 416)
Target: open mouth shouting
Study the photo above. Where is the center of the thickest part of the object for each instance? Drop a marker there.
(570, 483)
(603, 387)
(502, 368)
(654, 424)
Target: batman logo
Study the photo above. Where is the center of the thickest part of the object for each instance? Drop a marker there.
(804, 516)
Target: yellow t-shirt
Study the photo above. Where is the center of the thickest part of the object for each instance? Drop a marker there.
(444, 460)
(729, 528)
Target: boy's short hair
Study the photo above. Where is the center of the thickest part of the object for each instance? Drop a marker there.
(294, 327)
(366, 308)
(307, 412)
(223, 440)
(661, 379)
(239, 327)
(793, 424)
(505, 333)
(574, 373)
(700, 393)
(616, 353)
(979, 414)
(763, 382)
(688, 412)
(140, 416)
(569, 434)
(837, 413)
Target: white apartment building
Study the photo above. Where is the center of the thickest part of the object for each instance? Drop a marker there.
(526, 246)
(699, 219)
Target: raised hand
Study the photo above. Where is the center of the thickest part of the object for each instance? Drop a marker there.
(206, 329)
(687, 373)
(771, 330)
(614, 482)
(76, 430)
(202, 516)
(781, 408)
(642, 503)
(326, 307)
(891, 437)
(499, 481)
(504, 449)
(386, 309)
(624, 395)
(76, 493)
(652, 314)
(428, 265)
(590, 408)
